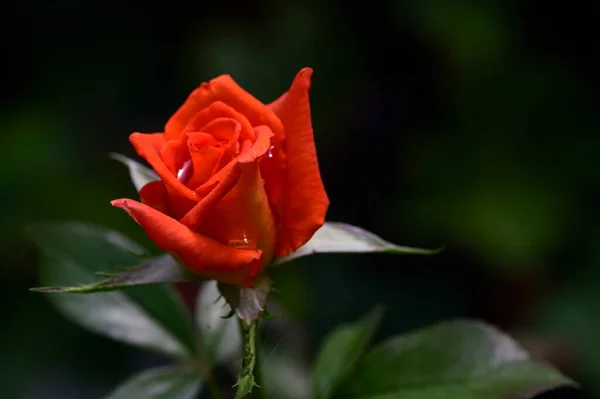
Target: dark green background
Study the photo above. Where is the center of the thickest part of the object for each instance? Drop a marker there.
(472, 124)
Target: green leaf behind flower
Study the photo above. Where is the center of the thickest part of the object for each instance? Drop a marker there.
(335, 237)
(150, 316)
(160, 270)
(458, 359)
(173, 382)
(140, 174)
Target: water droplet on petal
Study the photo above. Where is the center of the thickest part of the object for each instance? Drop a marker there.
(243, 243)
(270, 152)
(185, 172)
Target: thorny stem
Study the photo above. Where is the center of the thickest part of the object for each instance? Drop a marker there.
(246, 379)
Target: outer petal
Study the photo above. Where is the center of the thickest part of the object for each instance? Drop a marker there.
(154, 194)
(305, 202)
(225, 89)
(200, 253)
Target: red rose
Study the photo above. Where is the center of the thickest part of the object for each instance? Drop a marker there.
(239, 182)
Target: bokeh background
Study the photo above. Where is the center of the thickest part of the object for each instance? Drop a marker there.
(470, 124)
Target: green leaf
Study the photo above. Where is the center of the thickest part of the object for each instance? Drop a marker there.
(341, 349)
(150, 316)
(341, 237)
(459, 359)
(160, 270)
(140, 174)
(173, 382)
(285, 379)
(284, 362)
(220, 337)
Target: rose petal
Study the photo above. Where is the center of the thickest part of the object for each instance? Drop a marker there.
(209, 156)
(199, 253)
(174, 154)
(236, 211)
(272, 168)
(277, 104)
(214, 194)
(243, 217)
(204, 158)
(243, 277)
(304, 203)
(259, 148)
(226, 90)
(154, 194)
(225, 130)
(148, 146)
(220, 184)
(215, 111)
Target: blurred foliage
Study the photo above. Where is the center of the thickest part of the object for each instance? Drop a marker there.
(462, 123)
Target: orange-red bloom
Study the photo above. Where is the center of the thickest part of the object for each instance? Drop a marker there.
(239, 184)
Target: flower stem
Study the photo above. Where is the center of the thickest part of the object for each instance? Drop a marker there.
(246, 379)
